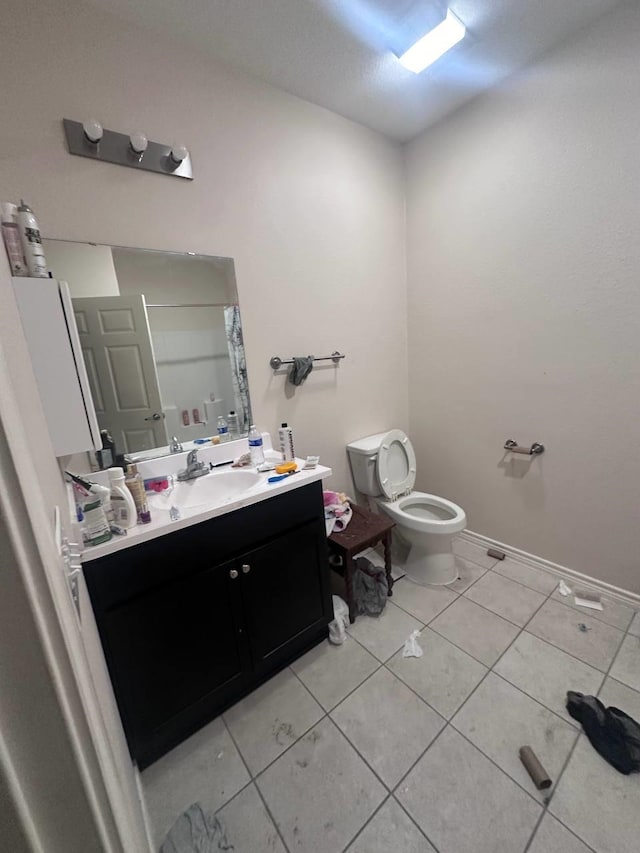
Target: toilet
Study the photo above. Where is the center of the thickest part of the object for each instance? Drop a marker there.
(384, 467)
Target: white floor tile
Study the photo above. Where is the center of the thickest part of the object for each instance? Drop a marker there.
(205, 769)
(388, 724)
(257, 833)
(464, 803)
(320, 792)
(626, 667)
(552, 837)
(271, 718)
(331, 672)
(560, 625)
(482, 634)
(547, 673)
(508, 599)
(614, 613)
(444, 676)
(475, 553)
(534, 578)
(468, 573)
(599, 804)
(634, 628)
(422, 602)
(499, 719)
(391, 829)
(385, 634)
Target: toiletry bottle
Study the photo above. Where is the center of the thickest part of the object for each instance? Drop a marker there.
(223, 430)
(234, 424)
(106, 456)
(124, 508)
(31, 242)
(12, 241)
(285, 434)
(95, 527)
(255, 446)
(135, 484)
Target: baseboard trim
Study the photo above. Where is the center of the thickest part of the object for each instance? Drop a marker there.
(622, 595)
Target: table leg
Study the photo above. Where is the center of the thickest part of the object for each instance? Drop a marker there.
(387, 562)
(348, 584)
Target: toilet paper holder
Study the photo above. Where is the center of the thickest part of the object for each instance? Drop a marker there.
(535, 450)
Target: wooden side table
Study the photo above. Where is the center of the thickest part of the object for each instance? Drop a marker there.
(364, 530)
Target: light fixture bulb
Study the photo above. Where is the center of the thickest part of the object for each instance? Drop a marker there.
(138, 142)
(179, 153)
(432, 45)
(92, 130)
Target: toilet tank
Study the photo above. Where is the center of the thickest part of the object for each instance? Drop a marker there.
(363, 454)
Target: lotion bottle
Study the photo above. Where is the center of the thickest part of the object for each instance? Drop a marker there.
(12, 241)
(285, 435)
(124, 508)
(135, 484)
(31, 242)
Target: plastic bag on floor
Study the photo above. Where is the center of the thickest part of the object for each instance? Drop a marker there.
(338, 627)
(196, 832)
(614, 734)
(412, 648)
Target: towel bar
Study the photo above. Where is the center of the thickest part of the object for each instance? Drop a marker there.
(535, 450)
(276, 362)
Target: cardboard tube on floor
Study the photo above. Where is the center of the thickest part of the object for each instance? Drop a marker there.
(537, 772)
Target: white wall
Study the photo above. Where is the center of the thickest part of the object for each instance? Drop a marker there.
(524, 304)
(87, 269)
(310, 205)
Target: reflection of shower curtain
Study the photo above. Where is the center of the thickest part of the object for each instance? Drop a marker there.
(238, 365)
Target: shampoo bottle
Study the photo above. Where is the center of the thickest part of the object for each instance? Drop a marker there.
(124, 508)
(31, 242)
(135, 484)
(12, 241)
(285, 434)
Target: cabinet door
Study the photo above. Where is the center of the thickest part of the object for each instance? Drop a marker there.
(285, 591)
(176, 654)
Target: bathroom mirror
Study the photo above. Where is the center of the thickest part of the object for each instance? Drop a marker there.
(161, 338)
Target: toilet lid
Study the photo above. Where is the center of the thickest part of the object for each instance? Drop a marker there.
(396, 464)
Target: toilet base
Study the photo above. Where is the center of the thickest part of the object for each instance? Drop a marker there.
(432, 561)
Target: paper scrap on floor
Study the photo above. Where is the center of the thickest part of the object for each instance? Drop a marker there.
(412, 648)
(563, 589)
(586, 599)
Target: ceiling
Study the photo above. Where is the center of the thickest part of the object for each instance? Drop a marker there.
(340, 53)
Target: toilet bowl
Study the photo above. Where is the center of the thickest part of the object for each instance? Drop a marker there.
(384, 467)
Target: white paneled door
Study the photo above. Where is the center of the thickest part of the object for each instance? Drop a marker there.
(118, 354)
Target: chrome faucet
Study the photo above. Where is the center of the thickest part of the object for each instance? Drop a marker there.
(195, 468)
(175, 446)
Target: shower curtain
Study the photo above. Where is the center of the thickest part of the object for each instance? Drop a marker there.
(235, 345)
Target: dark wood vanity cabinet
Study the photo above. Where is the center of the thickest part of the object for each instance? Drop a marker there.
(195, 619)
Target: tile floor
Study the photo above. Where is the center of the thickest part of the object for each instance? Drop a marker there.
(355, 748)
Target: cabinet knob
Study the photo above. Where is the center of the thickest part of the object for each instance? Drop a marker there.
(246, 568)
(233, 574)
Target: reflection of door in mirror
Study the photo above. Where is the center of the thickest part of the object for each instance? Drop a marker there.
(194, 362)
(116, 345)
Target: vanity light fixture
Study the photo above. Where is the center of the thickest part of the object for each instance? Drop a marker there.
(138, 142)
(434, 44)
(90, 139)
(92, 130)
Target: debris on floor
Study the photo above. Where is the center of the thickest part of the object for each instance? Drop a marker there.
(582, 627)
(497, 555)
(196, 832)
(588, 599)
(534, 768)
(563, 588)
(370, 588)
(412, 648)
(340, 622)
(612, 733)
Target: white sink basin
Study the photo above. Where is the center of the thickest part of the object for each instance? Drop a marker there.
(211, 490)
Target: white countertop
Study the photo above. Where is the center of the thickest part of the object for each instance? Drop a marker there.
(161, 523)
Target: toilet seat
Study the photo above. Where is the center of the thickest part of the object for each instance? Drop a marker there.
(396, 465)
(400, 510)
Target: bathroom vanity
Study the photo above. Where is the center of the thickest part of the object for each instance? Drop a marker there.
(192, 620)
